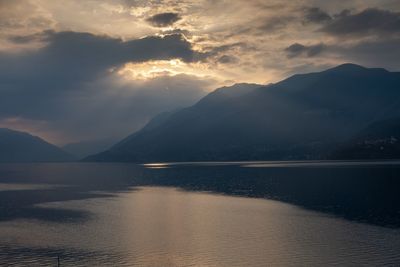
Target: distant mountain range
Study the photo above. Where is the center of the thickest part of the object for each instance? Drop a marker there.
(347, 112)
(18, 146)
(307, 116)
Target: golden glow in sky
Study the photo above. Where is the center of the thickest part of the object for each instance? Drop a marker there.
(157, 68)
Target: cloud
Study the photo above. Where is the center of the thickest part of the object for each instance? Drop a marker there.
(272, 24)
(164, 19)
(225, 59)
(148, 48)
(369, 21)
(371, 53)
(379, 53)
(72, 57)
(316, 15)
(220, 51)
(296, 50)
(72, 83)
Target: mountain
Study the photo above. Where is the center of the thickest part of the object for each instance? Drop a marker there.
(302, 117)
(380, 140)
(213, 99)
(18, 146)
(85, 148)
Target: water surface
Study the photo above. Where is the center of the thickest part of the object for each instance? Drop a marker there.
(246, 214)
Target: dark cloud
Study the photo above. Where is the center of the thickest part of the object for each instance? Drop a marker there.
(71, 57)
(272, 24)
(23, 39)
(164, 19)
(218, 52)
(225, 59)
(92, 46)
(316, 15)
(342, 14)
(372, 53)
(368, 21)
(69, 83)
(380, 53)
(296, 50)
(183, 32)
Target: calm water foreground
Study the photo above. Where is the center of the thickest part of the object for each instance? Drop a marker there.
(204, 214)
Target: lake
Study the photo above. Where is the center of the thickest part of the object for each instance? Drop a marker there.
(200, 214)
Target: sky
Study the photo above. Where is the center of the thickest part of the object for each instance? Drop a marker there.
(73, 71)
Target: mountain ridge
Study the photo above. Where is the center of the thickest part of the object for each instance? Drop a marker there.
(300, 117)
(17, 146)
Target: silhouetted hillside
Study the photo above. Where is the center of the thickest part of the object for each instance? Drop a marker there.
(18, 146)
(380, 140)
(302, 117)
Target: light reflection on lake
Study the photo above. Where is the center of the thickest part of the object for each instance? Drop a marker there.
(134, 222)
